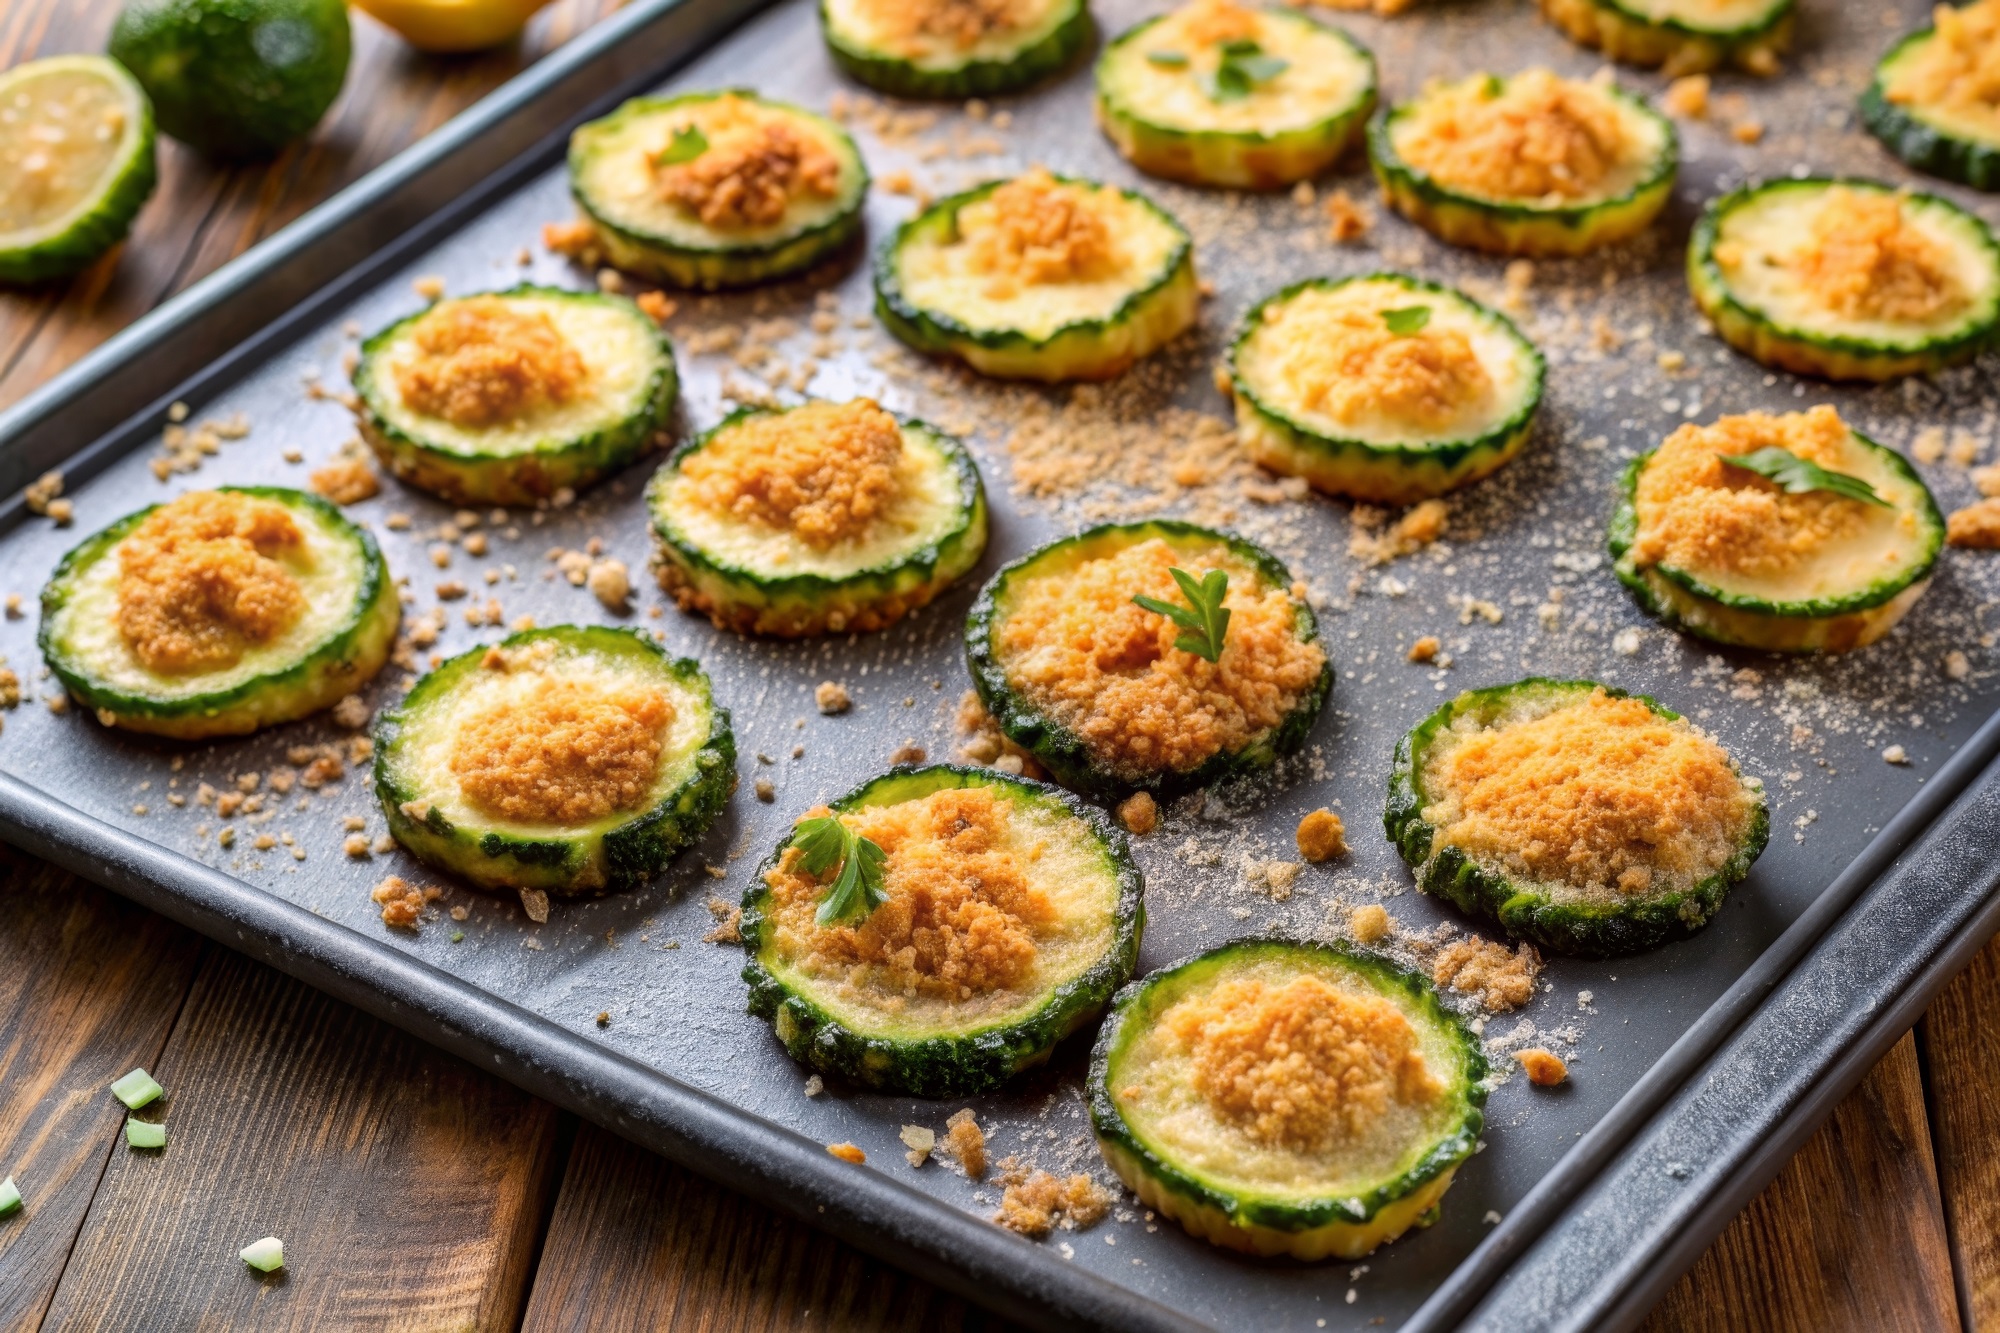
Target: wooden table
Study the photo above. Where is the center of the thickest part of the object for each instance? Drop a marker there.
(414, 1191)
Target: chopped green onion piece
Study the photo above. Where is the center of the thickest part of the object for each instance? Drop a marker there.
(145, 1133)
(1408, 321)
(457, 935)
(10, 1197)
(264, 1255)
(1167, 59)
(136, 1089)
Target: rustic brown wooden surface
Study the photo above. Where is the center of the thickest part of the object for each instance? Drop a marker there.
(1961, 1046)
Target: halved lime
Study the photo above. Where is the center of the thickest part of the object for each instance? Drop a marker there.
(76, 162)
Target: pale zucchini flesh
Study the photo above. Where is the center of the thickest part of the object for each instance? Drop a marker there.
(1045, 36)
(1681, 36)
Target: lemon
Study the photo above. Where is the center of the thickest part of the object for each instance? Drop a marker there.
(453, 25)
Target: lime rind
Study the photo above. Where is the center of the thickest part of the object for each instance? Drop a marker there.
(103, 215)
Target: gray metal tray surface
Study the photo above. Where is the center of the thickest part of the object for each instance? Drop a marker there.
(1519, 586)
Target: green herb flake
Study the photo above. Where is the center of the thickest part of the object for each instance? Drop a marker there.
(1798, 476)
(10, 1197)
(1243, 66)
(264, 1255)
(1167, 59)
(688, 144)
(825, 843)
(457, 936)
(1492, 87)
(1407, 320)
(1207, 622)
(136, 1089)
(145, 1133)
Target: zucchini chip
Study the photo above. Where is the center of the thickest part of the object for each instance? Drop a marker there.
(1113, 697)
(1587, 820)
(218, 613)
(1040, 277)
(815, 519)
(1683, 36)
(76, 163)
(572, 760)
(508, 397)
(1246, 99)
(937, 48)
(1821, 545)
(1848, 279)
(1930, 101)
(716, 190)
(881, 981)
(1451, 161)
(1385, 387)
(1284, 1097)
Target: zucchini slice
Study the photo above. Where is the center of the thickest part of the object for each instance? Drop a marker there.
(1723, 553)
(572, 760)
(76, 163)
(1585, 819)
(1683, 36)
(935, 48)
(1174, 97)
(1095, 686)
(878, 517)
(898, 1000)
(218, 613)
(508, 397)
(1848, 279)
(1287, 1097)
(667, 184)
(1450, 160)
(961, 279)
(1384, 387)
(1929, 101)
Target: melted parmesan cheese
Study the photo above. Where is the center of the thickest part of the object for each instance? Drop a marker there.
(1953, 80)
(1323, 77)
(1535, 139)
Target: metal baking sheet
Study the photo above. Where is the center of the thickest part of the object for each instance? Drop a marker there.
(681, 1067)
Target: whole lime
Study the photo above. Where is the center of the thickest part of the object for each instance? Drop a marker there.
(235, 78)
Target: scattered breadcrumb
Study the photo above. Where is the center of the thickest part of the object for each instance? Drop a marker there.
(351, 712)
(832, 698)
(1747, 131)
(402, 902)
(1895, 754)
(535, 903)
(728, 923)
(1496, 977)
(919, 1141)
(347, 480)
(1036, 1202)
(1369, 923)
(847, 1152)
(1976, 526)
(431, 287)
(1687, 97)
(659, 307)
(1139, 813)
(1545, 1069)
(610, 583)
(909, 752)
(1375, 541)
(1347, 221)
(41, 492)
(986, 744)
(1321, 836)
(1425, 649)
(965, 1143)
(766, 792)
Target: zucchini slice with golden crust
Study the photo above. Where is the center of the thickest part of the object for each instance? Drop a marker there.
(1681, 36)
(937, 48)
(1930, 100)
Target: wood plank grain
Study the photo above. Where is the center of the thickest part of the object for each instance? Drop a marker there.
(1850, 1236)
(409, 1188)
(89, 986)
(1961, 1049)
(693, 1257)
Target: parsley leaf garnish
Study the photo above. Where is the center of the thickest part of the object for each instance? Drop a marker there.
(689, 143)
(1207, 622)
(1408, 320)
(824, 843)
(1243, 66)
(1797, 476)
(1167, 59)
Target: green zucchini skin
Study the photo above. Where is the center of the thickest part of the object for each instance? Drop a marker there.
(1633, 39)
(1381, 473)
(1231, 159)
(336, 667)
(1802, 351)
(1084, 349)
(736, 597)
(723, 264)
(1823, 625)
(523, 478)
(133, 180)
(1346, 1226)
(958, 1065)
(1061, 751)
(1022, 69)
(610, 861)
(1524, 912)
(1928, 148)
(1518, 228)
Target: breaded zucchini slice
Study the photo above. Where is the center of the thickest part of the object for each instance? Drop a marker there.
(569, 759)
(1101, 689)
(1681, 36)
(1247, 99)
(1930, 100)
(1730, 554)
(218, 613)
(1848, 279)
(76, 163)
(1584, 819)
(721, 189)
(508, 397)
(815, 519)
(1109, 280)
(1450, 160)
(1384, 387)
(1006, 914)
(1287, 1097)
(935, 48)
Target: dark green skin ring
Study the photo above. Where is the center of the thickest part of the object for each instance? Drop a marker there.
(1733, 37)
(1577, 929)
(1062, 751)
(946, 1066)
(1924, 146)
(1454, 1144)
(975, 78)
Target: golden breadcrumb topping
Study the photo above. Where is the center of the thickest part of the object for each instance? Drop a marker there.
(567, 749)
(1866, 260)
(962, 916)
(1108, 669)
(1338, 353)
(1976, 527)
(756, 164)
(1036, 230)
(1535, 136)
(1036, 1201)
(1497, 977)
(1211, 22)
(200, 581)
(485, 361)
(1304, 1065)
(1601, 794)
(913, 26)
(823, 472)
(1959, 68)
(1700, 514)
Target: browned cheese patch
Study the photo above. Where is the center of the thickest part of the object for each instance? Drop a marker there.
(1865, 259)
(486, 362)
(1036, 230)
(1959, 69)
(911, 26)
(1540, 137)
(201, 582)
(756, 165)
(824, 472)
